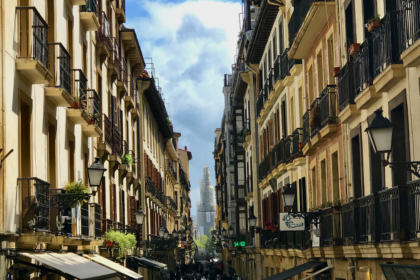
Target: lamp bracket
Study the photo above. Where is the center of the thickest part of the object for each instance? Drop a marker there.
(410, 166)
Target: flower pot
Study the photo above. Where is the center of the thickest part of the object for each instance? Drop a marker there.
(354, 49)
(75, 104)
(373, 26)
(336, 71)
(273, 229)
(91, 121)
(109, 243)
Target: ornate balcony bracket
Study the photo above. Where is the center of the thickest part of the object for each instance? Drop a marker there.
(412, 166)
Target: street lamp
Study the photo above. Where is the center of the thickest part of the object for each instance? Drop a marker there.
(380, 135)
(175, 234)
(252, 220)
(95, 173)
(224, 232)
(161, 231)
(231, 231)
(289, 196)
(140, 216)
(166, 234)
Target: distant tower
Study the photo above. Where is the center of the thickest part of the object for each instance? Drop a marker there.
(206, 211)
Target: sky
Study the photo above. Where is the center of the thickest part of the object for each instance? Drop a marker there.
(192, 44)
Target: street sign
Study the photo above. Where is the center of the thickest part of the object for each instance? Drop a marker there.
(290, 223)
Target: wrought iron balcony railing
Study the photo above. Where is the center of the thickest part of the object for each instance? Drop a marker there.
(91, 7)
(363, 67)
(410, 22)
(123, 76)
(306, 127)
(155, 191)
(126, 149)
(350, 214)
(315, 117)
(297, 144)
(260, 103)
(121, 4)
(330, 227)
(33, 37)
(328, 106)
(172, 204)
(107, 129)
(346, 86)
(369, 219)
(60, 67)
(117, 148)
(277, 69)
(103, 35)
(115, 58)
(300, 10)
(80, 88)
(93, 105)
(386, 43)
(171, 170)
(35, 204)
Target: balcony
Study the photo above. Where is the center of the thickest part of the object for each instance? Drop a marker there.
(171, 171)
(122, 79)
(239, 86)
(260, 104)
(172, 204)
(78, 113)
(117, 145)
(246, 132)
(103, 36)
(130, 96)
(93, 128)
(328, 112)
(347, 107)
(115, 60)
(350, 214)
(59, 90)
(120, 11)
(369, 219)
(154, 192)
(306, 23)
(89, 16)
(135, 110)
(33, 51)
(365, 94)
(289, 68)
(388, 66)
(105, 143)
(410, 30)
(331, 227)
(299, 240)
(297, 146)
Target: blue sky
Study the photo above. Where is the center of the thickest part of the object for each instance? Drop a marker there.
(192, 43)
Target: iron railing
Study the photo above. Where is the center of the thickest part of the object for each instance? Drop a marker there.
(330, 227)
(155, 191)
(115, 58)
(386, 43)
(297, 145)
(363, 67)
(103, 35)
(277, 71)
(315, 117)
(271, 81)
(346, 86)
(350, 224)
(306, 127)
(171, 169)
(228, 80)
(121, 4)
(60, 67)
(123, 76)
(133, 90)
(80, 88)
(369, 226)
(413, 209)
(284, 64)
(117, 148)
(84, 214)
(94, 103)
(287, 150)
(328, 106)
(33, 39)
(410, 22)
(300, 10)
(91, 7)
(264, 168)
(279, 148)
(172, 204)
(35, 204)
(260, 103)
(126, 149)
(393, 210)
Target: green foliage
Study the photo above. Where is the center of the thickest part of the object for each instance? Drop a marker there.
(376, 18)
(124, 241)
(127, 159)
(204, 242)
(77, 188)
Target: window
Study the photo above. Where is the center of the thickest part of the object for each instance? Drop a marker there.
(313, 177)
(350, 34)
(292, 113)
(311, 84)
(323, 181)
(281, 37)
(335, 177)
(368, 13)
(320, 69)
(274, 47)
(330, 43)
(302, 195)
(356, 163)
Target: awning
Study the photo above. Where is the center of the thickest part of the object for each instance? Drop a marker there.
(114, 266)
(298, 269)
(73, 265)
(150, 264)
(400, 272)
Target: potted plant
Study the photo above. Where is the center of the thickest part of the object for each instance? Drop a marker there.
(354, 49)
(123, 241)
(328, 204)
(336, 71)
(322, 206)
(77, 188)
(127, 159)
(93, 118)
(315, 208)
(336, 203)
(373, 23)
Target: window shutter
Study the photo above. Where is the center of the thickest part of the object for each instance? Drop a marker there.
(302, 193)
(271, 134)
(133, 207)
(284, 119)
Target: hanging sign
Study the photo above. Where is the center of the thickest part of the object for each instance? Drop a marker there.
(289, 223)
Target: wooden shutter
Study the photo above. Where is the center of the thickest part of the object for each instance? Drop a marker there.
(133, 207)
(114, 199)
(271, 134)
(302, 194)
(284, 118)
(264, 214)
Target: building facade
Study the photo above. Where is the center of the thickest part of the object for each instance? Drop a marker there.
(307, 81)
(205, 208)
(80, 88)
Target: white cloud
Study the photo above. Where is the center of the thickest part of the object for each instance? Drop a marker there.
(193, 44)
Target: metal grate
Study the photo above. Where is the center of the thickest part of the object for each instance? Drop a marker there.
(410, 22)
(91, 7)
(60, 66)
(346, 86)
(84, 209)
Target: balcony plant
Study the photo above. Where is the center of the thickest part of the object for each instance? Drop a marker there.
(336, 203)
(123, 241)
(77, 188)
(373, 23)
(127, 159)
(354, 49)
(93, 118)
(322, 206)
